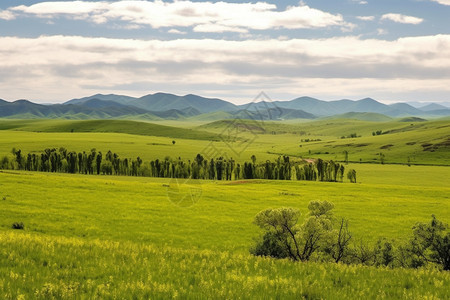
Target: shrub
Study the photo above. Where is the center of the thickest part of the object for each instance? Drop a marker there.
(269, 246)
(431, 243)
(18, 225)
(284, 238)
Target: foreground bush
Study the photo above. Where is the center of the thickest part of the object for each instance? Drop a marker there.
(321, 238)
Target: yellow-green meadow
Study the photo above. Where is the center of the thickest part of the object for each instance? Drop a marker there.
(115, 237)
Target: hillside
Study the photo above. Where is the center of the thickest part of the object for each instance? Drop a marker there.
(417, 141)
(115, 126)
(371, 117)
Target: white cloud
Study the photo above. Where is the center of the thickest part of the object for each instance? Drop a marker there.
(218, 28)
(362, 2)
(443, 2)
(366, 18)
(398, 18)
(176, 31)
(208, 16)
(6, 15)
(55, 8)
(65, 66)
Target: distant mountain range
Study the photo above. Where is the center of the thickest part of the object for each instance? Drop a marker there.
(163, 106)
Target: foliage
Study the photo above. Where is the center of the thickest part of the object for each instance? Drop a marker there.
(351, 175)
(431, 243)
(18, 225)
(298, 242)
(378, 132)
(283, 238)
(91, 162)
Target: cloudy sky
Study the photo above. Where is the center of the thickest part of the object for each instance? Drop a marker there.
(390, 50)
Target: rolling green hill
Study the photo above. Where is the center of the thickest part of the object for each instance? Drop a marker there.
(424, 142)
(115, 126)
(371, 117)
(399, 142)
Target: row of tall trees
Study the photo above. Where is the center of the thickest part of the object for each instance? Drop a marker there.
(95, 162)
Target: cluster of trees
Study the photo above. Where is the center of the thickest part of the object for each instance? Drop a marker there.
(322, 237)
(63, 161)
(378, 132)
(95, 162)
(351, 135)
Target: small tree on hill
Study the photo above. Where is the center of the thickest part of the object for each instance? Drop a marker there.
(351, 175)
(346, 157)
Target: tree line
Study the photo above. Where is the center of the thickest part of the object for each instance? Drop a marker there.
(324, 238)
(95, 162)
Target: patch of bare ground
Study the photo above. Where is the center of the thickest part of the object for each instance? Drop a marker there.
(433, 147)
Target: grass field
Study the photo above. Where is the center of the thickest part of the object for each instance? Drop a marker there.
(74, 223)
(422, 142)
(123, 237)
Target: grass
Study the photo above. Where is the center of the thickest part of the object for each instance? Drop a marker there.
(68, 268)
(143, 242)
(112, 237)
(95, 206)
(422, 143)
(115, 126)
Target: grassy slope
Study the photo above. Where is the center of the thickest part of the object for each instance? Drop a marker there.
(372, 117)
(404, 140)
(75, 223)
(116, 126)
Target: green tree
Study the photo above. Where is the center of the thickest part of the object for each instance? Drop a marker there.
(340, 247)
(381, 158)
(346, 157)
(99, 162)
(351, 175)
(281, 226)
(283, 234)
(431, 243)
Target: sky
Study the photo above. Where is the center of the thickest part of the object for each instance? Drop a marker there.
(389, 50)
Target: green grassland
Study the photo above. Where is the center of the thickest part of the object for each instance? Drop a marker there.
(127, 225)
(421, 142)
(112, 237)
(116, 126)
